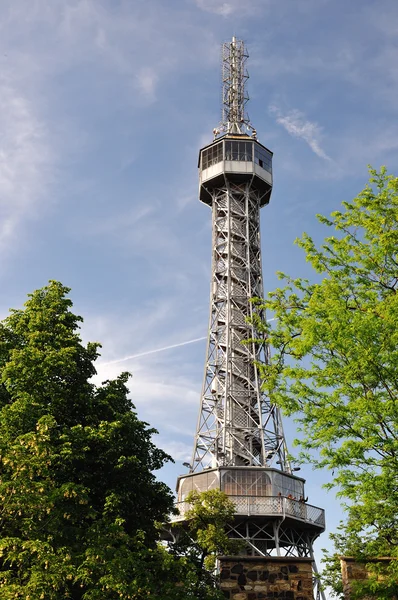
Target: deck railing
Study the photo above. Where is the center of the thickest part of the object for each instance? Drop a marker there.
(267, 505)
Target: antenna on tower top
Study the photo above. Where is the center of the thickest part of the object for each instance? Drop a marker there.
(234, 118)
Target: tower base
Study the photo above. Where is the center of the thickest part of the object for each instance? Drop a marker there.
(258, 578)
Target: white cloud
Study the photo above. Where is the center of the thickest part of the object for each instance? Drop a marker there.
(163, 397)
(140, 42)
(165, 386)
(87, 32)
(116, 223)
(177, 450)
(132, 332)
(296, 125)
(40, 42)
(225, 9)
(218, 7)
(26, 162)
(147, 79)
(375, 145)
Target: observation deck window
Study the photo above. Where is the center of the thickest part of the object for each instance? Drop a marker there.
(207, 480)
(212, 156)
(238, 150)
(288, 486)
(263, 158)
(246, 483)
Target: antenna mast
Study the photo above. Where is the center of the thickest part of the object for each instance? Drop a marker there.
(234, 118)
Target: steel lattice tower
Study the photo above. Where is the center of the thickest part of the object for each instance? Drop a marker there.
(239, 444)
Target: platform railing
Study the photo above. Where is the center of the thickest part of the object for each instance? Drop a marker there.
(267, 505)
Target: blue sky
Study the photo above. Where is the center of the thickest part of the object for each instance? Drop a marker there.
(104, 105)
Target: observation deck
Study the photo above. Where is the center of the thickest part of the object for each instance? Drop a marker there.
(257, 492)
(235, 158)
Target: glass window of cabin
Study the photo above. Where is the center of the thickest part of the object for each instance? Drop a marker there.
(199, 483)
(212, 155)
(246, 483)
(185, 488)
(237, 150)
(228, 150)
(263, 158)
(288, 486)
(248, 151)
(205, 159)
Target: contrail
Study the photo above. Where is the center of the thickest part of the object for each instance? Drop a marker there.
(118, 360)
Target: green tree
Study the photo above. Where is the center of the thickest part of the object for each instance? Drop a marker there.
(335, 368)
(201, 539)
(78, 500)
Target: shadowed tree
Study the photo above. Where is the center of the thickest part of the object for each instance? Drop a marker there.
(78, 500)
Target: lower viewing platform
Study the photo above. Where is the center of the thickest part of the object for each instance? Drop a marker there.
(257, 492)
(272, 506)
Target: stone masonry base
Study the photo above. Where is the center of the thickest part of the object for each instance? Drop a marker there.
(354, 572)
(256, 578)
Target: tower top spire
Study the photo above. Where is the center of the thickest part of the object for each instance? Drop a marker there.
(234, 118)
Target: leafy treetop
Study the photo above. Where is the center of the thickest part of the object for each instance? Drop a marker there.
(335, 366)
(78, 500)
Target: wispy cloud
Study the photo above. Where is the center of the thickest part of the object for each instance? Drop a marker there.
(164, 397)
(225, 9)
(178, 450)
(43, 42)
(165, 393)
(26, 161)
(155, 351)
(165, 385)
(147, 79)
(298, 126)
(217, 6)
(118, 223)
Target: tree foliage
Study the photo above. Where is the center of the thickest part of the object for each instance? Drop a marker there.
(208, 517)
(335, 366)
(202, 539)
(78, 500)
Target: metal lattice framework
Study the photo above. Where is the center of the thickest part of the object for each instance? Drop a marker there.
(237, 423)
(234, 118)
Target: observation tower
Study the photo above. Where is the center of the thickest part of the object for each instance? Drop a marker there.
(239, 444)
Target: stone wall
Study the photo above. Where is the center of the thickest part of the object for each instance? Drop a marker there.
(352, 571)
(256, 578)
